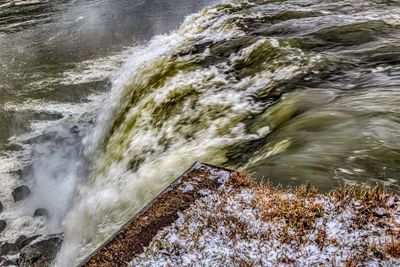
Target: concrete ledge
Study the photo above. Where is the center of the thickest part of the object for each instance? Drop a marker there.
(134, 236)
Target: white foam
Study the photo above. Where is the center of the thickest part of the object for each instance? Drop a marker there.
(134, 161)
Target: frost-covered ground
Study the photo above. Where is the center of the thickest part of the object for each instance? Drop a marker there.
(258, 225)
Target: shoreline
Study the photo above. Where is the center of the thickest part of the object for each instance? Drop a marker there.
(296, 220)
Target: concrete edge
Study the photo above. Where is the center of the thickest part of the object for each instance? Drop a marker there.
(162, 211)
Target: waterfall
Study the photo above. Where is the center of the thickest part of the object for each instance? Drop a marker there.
(243, 83)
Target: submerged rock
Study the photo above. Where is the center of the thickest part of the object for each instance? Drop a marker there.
(9, 249)
(74, 130)
(9, 263)
(25, 172)
(41, 212)
(1, 207)
(40, 253)
(23, 241)
(3, 225)
(46, 137)
(21, 193)
(14, 147)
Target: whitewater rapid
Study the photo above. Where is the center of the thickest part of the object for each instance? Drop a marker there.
(291, 91)
(56, 60)
(215, 87)
(48, 157)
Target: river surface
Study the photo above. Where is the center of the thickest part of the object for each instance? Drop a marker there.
(104, 103)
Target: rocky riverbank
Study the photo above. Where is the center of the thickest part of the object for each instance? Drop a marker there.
(215, 217)
(35, 251)
(28, 251)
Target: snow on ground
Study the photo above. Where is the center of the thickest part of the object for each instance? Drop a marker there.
(258, 225)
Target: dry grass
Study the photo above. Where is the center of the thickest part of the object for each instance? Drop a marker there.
(350, 262)
(239, 179)
(393, 249)
(299, 212)
(293, 220)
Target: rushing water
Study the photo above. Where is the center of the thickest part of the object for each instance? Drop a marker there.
(292, 91)
(56, 61)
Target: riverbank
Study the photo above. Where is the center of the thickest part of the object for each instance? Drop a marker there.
(239, 223)
(243, 224)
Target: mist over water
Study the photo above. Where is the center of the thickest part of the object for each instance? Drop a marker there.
(282, 89)
(123, 100)
(56, 60)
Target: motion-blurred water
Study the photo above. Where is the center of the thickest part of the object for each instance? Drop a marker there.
(292, 91)
(56, 61)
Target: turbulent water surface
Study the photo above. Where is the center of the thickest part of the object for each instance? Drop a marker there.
(292, 91)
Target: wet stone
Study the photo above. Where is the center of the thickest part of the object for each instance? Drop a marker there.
(20, 174)
(74, 129)
(9, 249)
(40, 253)
(46, 137)
(26, 171)
(41, 212)
(23, 241)
(3, 225)
(9, 263)
(14, 147)
(21, 193)
(20, 240)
